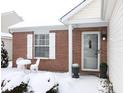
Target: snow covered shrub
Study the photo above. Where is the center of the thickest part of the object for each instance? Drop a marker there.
(14, 82)
(42, 83)
(20, 82)
(54, 89)
(18, 89)
(105, 86)
(4, 56)
(111, 88)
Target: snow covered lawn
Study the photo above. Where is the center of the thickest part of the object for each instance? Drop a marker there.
(42, 81)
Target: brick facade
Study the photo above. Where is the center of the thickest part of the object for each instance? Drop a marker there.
(61, 61)
(19, 45)
(77, 45)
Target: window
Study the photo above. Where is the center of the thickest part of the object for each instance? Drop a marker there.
(42, 45)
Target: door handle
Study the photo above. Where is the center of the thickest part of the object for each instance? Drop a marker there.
(97, 52)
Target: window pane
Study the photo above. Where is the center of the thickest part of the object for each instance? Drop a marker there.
(42, 42)
(37, 52)
(41, 51)
(36, 37)
(47, 42)
(44, 52)
(37, 42)
(47, 36)
(42, 36)
(42, 39)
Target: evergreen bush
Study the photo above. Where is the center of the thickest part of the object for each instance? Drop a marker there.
(103, 70)
(4, 56)
(19, 89)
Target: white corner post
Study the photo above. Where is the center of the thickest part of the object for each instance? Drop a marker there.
(70, 28)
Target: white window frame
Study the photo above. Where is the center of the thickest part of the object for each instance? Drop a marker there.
(41, 46)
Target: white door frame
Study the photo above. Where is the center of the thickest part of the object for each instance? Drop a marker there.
(82, 47)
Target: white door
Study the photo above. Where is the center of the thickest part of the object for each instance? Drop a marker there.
(90, 51)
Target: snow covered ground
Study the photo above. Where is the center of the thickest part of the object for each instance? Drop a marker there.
(38, 82)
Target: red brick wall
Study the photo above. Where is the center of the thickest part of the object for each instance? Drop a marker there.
(19, 45)
(61, 61)
(77, 44)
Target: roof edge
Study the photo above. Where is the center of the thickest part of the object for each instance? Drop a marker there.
(74, 10)
(37, 28)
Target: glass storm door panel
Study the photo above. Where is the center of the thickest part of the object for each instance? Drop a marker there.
(90, 51)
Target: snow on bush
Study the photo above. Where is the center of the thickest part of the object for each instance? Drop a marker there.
(43, 82)
(18, 89)
(34, 82)
(11, 80)
(4, 56)
(105, 86)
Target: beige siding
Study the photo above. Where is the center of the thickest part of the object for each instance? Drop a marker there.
(115, 60)
(95, 11)
(9, 19)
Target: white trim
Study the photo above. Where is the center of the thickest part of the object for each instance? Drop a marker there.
(41, 32)
(41, 58)
(6, 35)
(92, 25)
(77, 9)
(29, 45)
(70, 55)
(9, 38)
(85, 20)
(90, 22)
(102, 8)
(82, 47)
(107, 9)
(52, 45)
(38, 28)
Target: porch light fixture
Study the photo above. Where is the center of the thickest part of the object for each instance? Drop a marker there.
(104, 35)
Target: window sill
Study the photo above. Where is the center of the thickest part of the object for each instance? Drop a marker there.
(41, 58)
